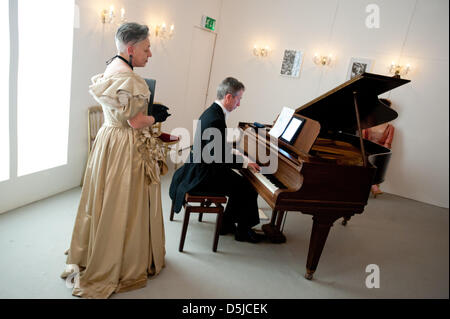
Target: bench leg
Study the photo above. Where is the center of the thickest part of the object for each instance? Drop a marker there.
(218, 224)
(187, 213)
(171, 211)
(177, 148)
(200, 217)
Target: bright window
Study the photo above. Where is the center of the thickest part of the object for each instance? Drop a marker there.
(44, 81)
(4, 90)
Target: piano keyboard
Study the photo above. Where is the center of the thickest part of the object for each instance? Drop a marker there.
(269, 181)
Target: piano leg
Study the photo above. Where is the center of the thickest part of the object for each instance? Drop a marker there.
(272, 230)
(319, 234)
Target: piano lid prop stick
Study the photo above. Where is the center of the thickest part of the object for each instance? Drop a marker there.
(363, 152)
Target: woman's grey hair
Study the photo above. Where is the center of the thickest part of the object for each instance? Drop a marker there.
(130, 33)
(229, 86)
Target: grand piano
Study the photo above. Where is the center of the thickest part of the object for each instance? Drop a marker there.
(329, 170)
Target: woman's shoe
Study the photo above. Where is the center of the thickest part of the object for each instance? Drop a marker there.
(376, 190)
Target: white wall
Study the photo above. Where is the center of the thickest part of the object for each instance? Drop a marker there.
(410, 31)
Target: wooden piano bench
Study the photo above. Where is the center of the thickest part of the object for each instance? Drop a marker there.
(204, 202)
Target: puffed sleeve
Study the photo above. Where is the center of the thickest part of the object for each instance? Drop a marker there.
(126, 95)
(131, 105)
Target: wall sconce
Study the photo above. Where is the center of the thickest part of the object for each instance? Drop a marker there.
(322, 59)
(108, 16)
(261, 51)
(398, 69)
(162, 32)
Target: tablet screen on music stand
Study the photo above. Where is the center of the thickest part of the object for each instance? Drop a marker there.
(292, 130)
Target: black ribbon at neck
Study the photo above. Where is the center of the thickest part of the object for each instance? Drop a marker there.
(123, 59)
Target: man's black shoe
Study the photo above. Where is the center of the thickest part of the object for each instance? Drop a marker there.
(227, 228)
(248, 235)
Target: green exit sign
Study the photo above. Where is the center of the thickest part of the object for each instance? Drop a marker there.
(208, 23)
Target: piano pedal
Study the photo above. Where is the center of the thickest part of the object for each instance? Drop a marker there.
(375, 190)
(273, 234)
(259, 232)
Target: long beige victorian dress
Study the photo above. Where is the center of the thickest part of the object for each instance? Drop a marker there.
(118, 237)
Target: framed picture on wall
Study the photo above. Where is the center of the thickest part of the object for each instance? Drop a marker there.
(292, 61)
(358, 66)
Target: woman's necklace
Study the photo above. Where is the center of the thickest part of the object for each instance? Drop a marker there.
(123, 59)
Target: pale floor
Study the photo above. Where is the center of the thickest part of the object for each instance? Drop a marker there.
(408, 240)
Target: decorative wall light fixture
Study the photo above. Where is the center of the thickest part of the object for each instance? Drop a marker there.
(108, 16)
(162, 32)
(261, 51)
(398, 69)
(322, 59)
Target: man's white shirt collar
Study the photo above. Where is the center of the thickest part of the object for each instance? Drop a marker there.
(225, 111)
(234, 151)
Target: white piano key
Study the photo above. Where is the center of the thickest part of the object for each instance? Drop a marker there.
(266, 182)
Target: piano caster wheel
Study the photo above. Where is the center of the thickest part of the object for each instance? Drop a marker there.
(309, 275)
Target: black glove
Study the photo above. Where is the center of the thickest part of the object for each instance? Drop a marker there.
(159, 112)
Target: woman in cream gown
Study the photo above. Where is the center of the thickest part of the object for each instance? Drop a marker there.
(118, 237)
(383, 135)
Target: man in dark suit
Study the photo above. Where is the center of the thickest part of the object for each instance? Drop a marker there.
(210, 167)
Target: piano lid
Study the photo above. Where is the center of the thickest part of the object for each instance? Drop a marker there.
(335, 110)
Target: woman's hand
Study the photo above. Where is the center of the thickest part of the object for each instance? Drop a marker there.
(141, 120)
(161, 115)
(159, 112)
